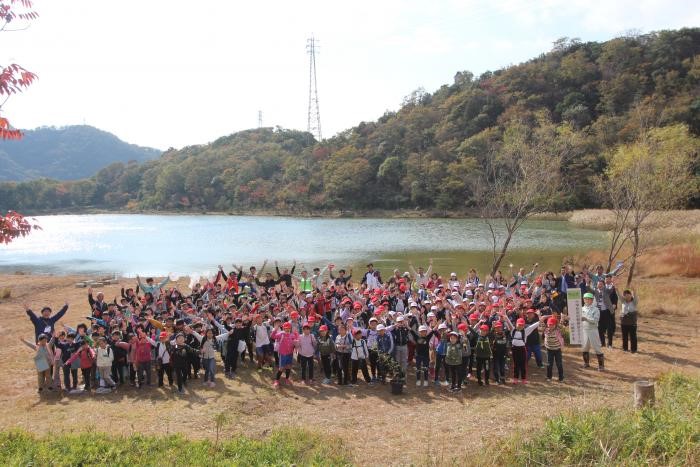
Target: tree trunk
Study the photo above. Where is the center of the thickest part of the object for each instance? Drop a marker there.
(643, 394)
(502, 254)
(635, 252)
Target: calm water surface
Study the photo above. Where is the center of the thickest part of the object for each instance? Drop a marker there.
(129, 244)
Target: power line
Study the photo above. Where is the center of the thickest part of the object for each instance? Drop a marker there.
(314, 115)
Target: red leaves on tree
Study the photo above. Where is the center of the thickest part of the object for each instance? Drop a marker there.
(13, 78)
(14, 225)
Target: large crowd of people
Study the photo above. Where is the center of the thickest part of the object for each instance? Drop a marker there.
(412, 327)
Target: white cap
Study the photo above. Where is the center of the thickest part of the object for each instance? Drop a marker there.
(380, 327)
(406, 274)
(492, 285)
(308, 295)
(523, 283)
(470, 293)
(392, 313)
(442, 326)
(453, 274)
(399, 319)
(413, 305)
(431, 315)
(422, 327)
(433, 308)
(373, 319)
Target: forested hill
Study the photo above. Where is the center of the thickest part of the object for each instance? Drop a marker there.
(66, 153)
(592, 96)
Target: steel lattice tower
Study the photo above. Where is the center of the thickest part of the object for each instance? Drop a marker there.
(314, 115)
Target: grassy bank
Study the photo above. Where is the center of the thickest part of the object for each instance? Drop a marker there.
(284, 447)
(668, 434)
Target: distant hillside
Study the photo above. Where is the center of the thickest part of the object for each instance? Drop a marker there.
(66, 153)
(590, 97)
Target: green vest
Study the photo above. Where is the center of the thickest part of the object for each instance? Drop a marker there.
(305, 284)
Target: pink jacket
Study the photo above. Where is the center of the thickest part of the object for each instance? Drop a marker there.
(86, 355)
(286, 341)
(307, 345)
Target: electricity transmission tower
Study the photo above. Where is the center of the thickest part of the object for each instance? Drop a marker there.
(259, 118)
(314, 115)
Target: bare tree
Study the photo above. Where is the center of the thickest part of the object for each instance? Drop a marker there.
(520, 178)
(652, 174)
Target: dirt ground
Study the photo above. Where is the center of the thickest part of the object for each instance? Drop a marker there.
(424, 425)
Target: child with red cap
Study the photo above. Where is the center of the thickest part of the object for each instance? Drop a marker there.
(499, 346)
(483, 354)
(286, 340)
(518, 338)
(553, 342)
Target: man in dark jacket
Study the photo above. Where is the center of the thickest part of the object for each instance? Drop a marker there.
(44, 324)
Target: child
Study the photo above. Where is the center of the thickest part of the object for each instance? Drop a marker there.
(343, 345)
(359, 355)
(180, 353)
(163, 365)
(553, 342)
(286, 340)
(440, 349)
(453, 360)
(422, 353)
(86, 356)
(464, 332)
(105, 357)
(42, 361)
(261, 332)
(483, 354)
(628, 320)
(142, 355)
(385, 345)
(68, 346)
(499, 346)
(326, 348)
(121, 359)
(518, 337)
(307, 348)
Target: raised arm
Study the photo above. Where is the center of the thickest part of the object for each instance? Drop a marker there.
(60, 313)
(28, 344)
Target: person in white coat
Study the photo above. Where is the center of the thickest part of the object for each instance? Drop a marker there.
(590, 315)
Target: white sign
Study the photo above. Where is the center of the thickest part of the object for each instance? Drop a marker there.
(573, 304)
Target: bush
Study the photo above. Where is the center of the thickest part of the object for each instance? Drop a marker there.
(667, 434)
(283, 447)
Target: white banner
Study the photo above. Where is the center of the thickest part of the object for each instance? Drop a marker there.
(573, 304)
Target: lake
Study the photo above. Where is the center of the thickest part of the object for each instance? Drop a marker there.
(129, 244)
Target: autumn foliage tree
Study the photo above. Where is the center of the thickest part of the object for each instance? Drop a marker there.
(13, 79)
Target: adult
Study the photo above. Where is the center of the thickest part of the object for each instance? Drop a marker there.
(342, 279)
(151, 286)
(45, 323)
(286, 275)
(421, 277)
(590, 315)
(606, 298)
(372, 278)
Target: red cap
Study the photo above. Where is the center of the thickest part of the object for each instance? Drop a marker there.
(402, 288)
(366, 292)
(497, 324)
(484, 327)
(357, 305)
(163, 335)
(474, 316)
(520, 321)
(462, 326)
(294, 315)
(552, 321)
(312, 319)
(323, 328)
(385, 293)
(287, 325)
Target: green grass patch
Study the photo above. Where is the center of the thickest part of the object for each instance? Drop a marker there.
(667, 434)
(283, 447)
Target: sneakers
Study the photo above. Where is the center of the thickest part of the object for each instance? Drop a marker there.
(549, 380)
(486, 382)
(515, 381)
(425, 383)
(288, 382)
(437, 383)
(211, 384)
(276, 384)
(418, 383)
(524, 381)
(481, 383)
(327, 381)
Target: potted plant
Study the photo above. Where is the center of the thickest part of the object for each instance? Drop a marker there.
(397, 377)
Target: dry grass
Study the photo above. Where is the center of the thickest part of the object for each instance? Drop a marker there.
(603, 219)
(5, 292)
(402, 430)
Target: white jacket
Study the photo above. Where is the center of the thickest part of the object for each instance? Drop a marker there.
(104, 356)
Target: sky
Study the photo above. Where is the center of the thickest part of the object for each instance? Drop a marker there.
(170, 73)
